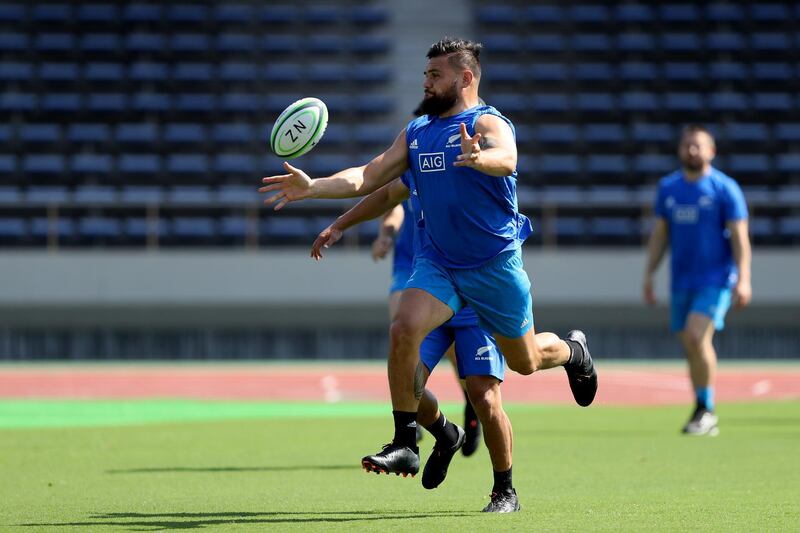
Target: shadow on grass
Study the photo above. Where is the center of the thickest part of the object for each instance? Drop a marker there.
(212, 469)
(165, 521)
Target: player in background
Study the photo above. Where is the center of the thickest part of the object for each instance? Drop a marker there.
(478, 361)
(702, 216)
(396, 234)
(463, 157)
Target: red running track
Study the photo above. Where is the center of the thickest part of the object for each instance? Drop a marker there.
(619, 385)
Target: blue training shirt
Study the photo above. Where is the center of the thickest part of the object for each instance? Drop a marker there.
(470, 217)
(696, 214)
(404, 242)
(466, 317)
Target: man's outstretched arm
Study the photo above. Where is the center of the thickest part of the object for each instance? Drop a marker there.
(355, 181)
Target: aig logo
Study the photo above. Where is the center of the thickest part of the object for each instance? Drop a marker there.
(433, 162)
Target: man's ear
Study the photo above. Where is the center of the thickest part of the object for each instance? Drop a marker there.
(466, 77)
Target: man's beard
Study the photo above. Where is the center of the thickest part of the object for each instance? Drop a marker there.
(436, 105)
(693, 166)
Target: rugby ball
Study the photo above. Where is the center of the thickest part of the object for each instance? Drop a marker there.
(299, 128)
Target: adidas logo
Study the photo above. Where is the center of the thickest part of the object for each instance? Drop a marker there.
(524, 323)
(413, 145)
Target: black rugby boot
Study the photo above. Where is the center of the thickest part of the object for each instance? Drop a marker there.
(393, 459)
(436, 468)
(503, 502)
(582, 374)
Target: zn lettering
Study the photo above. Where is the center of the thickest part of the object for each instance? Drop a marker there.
(299, 127)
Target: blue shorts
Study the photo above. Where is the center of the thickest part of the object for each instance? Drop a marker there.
(476, 351)
(499, 291)
(713, 302)
(399, 280)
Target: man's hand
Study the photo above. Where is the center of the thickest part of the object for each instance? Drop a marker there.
(291, 187)
(742, 294)
(647, 291)
(326, 238)
(381, 247)
(470, 149)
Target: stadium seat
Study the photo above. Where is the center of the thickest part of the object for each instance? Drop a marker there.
(727, 71)
(772, 72)
(498, 14)
(147, 71)
(635, 42)
(193, 227)
(281, 228)
(634, 13)
(187, 164)
(788, 163)
(184, 133)
(365, 73)
(748, 163)
(770, 41)
(370, 134)
(684, 102)
(139, 164)
(94, 194)
(327, 73)
(238, 71)
(322, 14)
(680, 42)
(99, 227)
(106, 13)
(59, 102)
(238, 195)
(55, 72)
(142, 13)
(556, 133)
(544, 14)
(241, 164)
(502, 43)
(139, 228)
(150, 102)
(773, 102)
(654, 164)
(594, 72)
(141, 42)
(183, 14)
(369, 15)
(189, 42)
(61, 227)
(46, 195)
(54, 42)
(136, 195)
(51, 12)
(725, 42)
(99, 72)
(137, 133)
(283, 72)
(107, 102)
(570, 228)
(194, 195)
(13, 41)
(746, 132)
(234, 13)
(725, 12)
(638, 71)
(374, 103)
(607, 164)
(651, 132)
(233, 227)
(589, 14)
(238, 43)
(789, 227)
(5, 134)
(193, 72)
(613, 228)
(546, 103)
(15, 72)
(680, 72)
(44, 164)
(595, 102)
(789, 131)
(603, 133)
(8, 164)
(545, 42)
(287, 43)
(769, 12)
(91, 164)
(590, 43)
(13, 228)
(10, 195)
(195, 103)
(369, 44)
(678, 13)
(238, 133)
(280, 14)
(639, 102)
(12, 13)
(544, 72)
(604, 196)
(39, 133)
(241, 102)
(559, 164)
(727, 101)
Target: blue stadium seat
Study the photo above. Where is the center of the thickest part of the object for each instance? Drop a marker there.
(92, 163)
(283, 72)
(504, 72)
(545, 102)
(683, 72)
(374, 103)
(193, 227)
(684, 102)
(236, 13)
(15, 71)
(679, 13)
(725, 42)
(239, 71)
(381, 134)
(613, 228)
(544, 14)
(502, 43)
(595, 102)
(635, 42)
(63, 228)
(770, 41)
(12, 13)
(13, 228)
(727, 71)
(139, 164)
(639, 101)
(14, 101)
(191, 164)
(237, 133)
(139, 195)
(605, 195)
(789, 131)
(524, 133)
(39, 133)
(94, 194)
(545, 42)
(497, 14)
(366, 73)
(238, 194)
(589, 14)
(541, 72)
(139, 228)
(240, 43)
(772, 72)
(13, 41)
(243, 164)
(58, 72)
(150, 102)
(147, 71)
(654, 164)
(137, 133)
(8, 164)
(680, 42)
(97, 13)
(788, 163)
(97, 72)
(184, 133)
(556, 133)
(285, 227)
(773, 102)
(369, 44)
(142, 13)
(187, 13)
(233, 227)
(322, 14)
(194, 195)
(51, 12)
(769, 12)
(746, 132)
(10, 195)
(559, 164)
(603, 133)
(54, 42)
(106, 102)
(638, 71)
(788, 195)
(193, 72)
(369, 14)
(99, 227)
(327, 73)
(59, 102)
(748, 163)
(98, 43)
(242, 102)
(634, 13)
(189, 42)
(144, 42)
(595, 72)
(727, 101)
(725, 12)
(789, 226)
(570, 227)
(759, 196)
(334, 133)
(47, 195)
(288, 43)
(590, 42)
(5, 134)
(43, 164)
(195, 103)
(280, 14)
(613, 164)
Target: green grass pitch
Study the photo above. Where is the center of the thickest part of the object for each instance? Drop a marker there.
(219, 466)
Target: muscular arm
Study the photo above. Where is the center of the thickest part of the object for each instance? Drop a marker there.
(656, 247)
(390, 225)
(742, 255)
(492, 150)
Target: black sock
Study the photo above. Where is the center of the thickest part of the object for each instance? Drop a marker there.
(502, 481)
(443, 430)
(469, 411)
(405, 428)
(575, 353)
